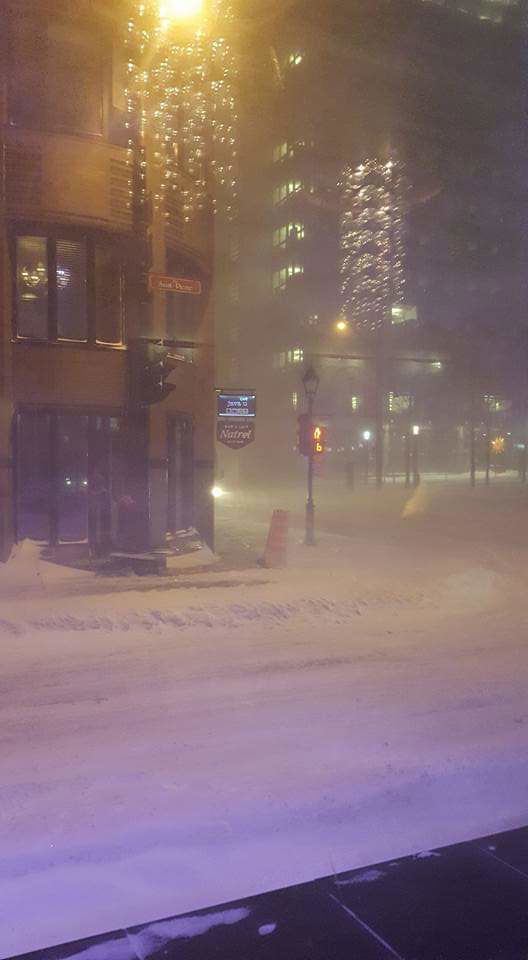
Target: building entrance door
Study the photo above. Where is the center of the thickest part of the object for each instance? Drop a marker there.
(180, 513)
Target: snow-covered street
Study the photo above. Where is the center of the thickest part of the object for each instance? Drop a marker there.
(166, 749)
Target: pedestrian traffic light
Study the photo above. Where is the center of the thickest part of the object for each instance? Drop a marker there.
(151, 363)
(318, 439)
(312, 436)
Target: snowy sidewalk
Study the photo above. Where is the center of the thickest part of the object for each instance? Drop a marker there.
(464, 902)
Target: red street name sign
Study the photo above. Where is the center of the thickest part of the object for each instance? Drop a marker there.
(235, 435)
(160, 281)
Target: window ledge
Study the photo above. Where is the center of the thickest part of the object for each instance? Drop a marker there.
(65, 344)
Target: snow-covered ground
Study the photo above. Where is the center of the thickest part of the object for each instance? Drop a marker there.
(166, 749)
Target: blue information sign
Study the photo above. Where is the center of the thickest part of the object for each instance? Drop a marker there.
(232, 405)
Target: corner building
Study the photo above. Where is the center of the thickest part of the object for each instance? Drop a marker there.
(82, 460)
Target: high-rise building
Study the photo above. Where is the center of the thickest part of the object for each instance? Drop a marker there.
(432, 92)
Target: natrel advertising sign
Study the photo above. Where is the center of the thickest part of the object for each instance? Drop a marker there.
(235, 417)
(235, 434)
(160, 281)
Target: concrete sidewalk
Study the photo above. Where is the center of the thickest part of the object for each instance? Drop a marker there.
(463, 902)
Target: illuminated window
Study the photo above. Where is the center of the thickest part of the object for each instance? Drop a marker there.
(398, 402)
(32, 287)
(354, 402)
(402, 313)
(294, 58)
(290, 231)
(295, 400)
(68, 290)
(297, 355)
(280, 277)
(285, 190)
(280, 151)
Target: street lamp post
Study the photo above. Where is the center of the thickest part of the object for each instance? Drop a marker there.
(416, 471)
(311, 384)
(366, 439)
(407, 456)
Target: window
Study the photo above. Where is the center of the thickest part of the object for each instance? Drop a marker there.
(108, 295)
(296, 355)
(280, 151)
(74, 96)
(354, 402)
(32, 287)
(295, 399)
(69, 468)
(285, 190)
(234, 292)
(72, 319)
(290, 231)
(402, 313)
(287, 149)
(280, 277)
(55, 81)
(68, 289)
(294, 58)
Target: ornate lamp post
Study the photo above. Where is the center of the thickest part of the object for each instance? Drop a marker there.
(311, 385)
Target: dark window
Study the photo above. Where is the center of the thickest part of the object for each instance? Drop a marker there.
(55, 81)
(34, 476)
(26, 73)
(74, 82)
(108, 299)
(32, 287)
(72, 320)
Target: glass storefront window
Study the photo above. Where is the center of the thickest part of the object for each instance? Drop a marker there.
(72, 477)
(32, 287)
(34, 476)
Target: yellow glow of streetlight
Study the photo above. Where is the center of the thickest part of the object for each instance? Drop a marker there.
(171, 10)
(341, 325)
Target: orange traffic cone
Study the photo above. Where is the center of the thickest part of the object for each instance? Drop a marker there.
(276, 544)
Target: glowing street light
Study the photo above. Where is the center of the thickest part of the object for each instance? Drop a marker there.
(341, 326)
(366, 435)
(171, 10)
(416, 430)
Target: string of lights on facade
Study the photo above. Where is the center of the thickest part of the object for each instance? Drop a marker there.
(371, 233)
(181, 86)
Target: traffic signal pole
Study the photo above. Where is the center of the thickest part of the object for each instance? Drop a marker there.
(379, 436)
(310, 505)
